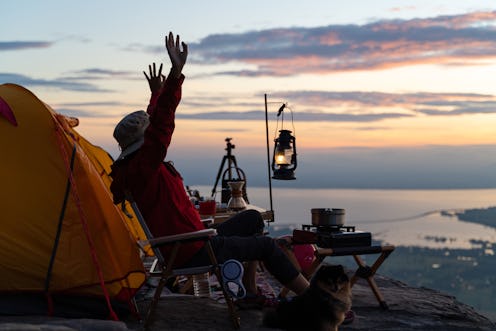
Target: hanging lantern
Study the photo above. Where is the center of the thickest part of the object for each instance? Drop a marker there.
(284, 158)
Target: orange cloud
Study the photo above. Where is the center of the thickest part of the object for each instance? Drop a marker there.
(379, 45)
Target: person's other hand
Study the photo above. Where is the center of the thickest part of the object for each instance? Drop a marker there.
(155, 80)
(177, 56)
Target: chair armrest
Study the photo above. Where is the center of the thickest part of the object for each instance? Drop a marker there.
(208, 222)
(204, 234)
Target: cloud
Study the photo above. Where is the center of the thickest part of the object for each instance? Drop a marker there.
(378, 45)
(423, 102)
(61, 83)
(78, 113)
(463, 108)
(225, 115)
(304, 117)
(101, 74)
(352, 106)
(105, 72)
(94, 104)
(100, 109)
(21, 45)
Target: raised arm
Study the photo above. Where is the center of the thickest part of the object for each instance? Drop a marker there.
(177, 56)
(163, 104)
(155, 80)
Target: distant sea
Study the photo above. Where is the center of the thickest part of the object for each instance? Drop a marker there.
(445, 239)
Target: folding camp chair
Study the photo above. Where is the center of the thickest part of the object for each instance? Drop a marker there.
(160, 268)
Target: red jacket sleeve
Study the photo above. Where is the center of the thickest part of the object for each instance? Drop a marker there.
(161, 109)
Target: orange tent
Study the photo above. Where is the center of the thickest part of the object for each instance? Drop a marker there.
(63, 243)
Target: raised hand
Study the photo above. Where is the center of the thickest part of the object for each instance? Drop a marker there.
(154, 80)
(177, 56)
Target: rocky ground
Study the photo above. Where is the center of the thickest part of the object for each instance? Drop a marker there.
(409, 309)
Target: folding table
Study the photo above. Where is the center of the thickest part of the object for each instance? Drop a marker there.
(363, 270)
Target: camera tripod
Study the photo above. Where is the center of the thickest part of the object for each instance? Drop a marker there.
(227, 174)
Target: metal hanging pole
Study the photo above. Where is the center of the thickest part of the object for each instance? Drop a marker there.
(268, 158)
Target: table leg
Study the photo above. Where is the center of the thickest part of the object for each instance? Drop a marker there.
(368, 273)
(363, 271)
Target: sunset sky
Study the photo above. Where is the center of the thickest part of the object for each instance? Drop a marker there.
(384, 94)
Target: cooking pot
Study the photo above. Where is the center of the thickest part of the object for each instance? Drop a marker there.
(327, 216)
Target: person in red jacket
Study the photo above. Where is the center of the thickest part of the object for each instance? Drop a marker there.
(158, 188)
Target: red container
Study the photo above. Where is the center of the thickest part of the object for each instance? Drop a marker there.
(207, 207)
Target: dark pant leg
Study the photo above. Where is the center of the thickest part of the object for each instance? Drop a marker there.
(253, 248)
(246, 223)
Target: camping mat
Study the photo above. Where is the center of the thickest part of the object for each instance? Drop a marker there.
(266, 284)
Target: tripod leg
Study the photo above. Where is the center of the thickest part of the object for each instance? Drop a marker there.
(219, 173)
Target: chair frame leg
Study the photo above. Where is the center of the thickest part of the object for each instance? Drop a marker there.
(229, 301)
(166, 273)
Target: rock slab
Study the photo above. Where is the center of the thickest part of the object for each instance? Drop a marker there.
(410, 309)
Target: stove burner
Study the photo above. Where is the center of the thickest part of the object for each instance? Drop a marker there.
(333, 236)
(328, 228)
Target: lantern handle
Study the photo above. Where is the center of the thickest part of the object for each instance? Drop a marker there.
(281, 111)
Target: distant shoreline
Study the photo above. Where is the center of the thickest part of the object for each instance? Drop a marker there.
(484, 216)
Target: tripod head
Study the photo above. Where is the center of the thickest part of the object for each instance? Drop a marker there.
(230, 146)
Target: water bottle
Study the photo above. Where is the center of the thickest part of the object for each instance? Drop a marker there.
(201, 285)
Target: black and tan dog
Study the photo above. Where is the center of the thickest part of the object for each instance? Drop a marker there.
(321, 307)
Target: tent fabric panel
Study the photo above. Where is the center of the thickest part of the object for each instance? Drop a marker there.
(112, 241)
(102, 162)
(31, 196)
(7, 113)
(28, 150)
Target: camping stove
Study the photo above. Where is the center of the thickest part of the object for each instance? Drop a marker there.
(334, 236)
(328, 228)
